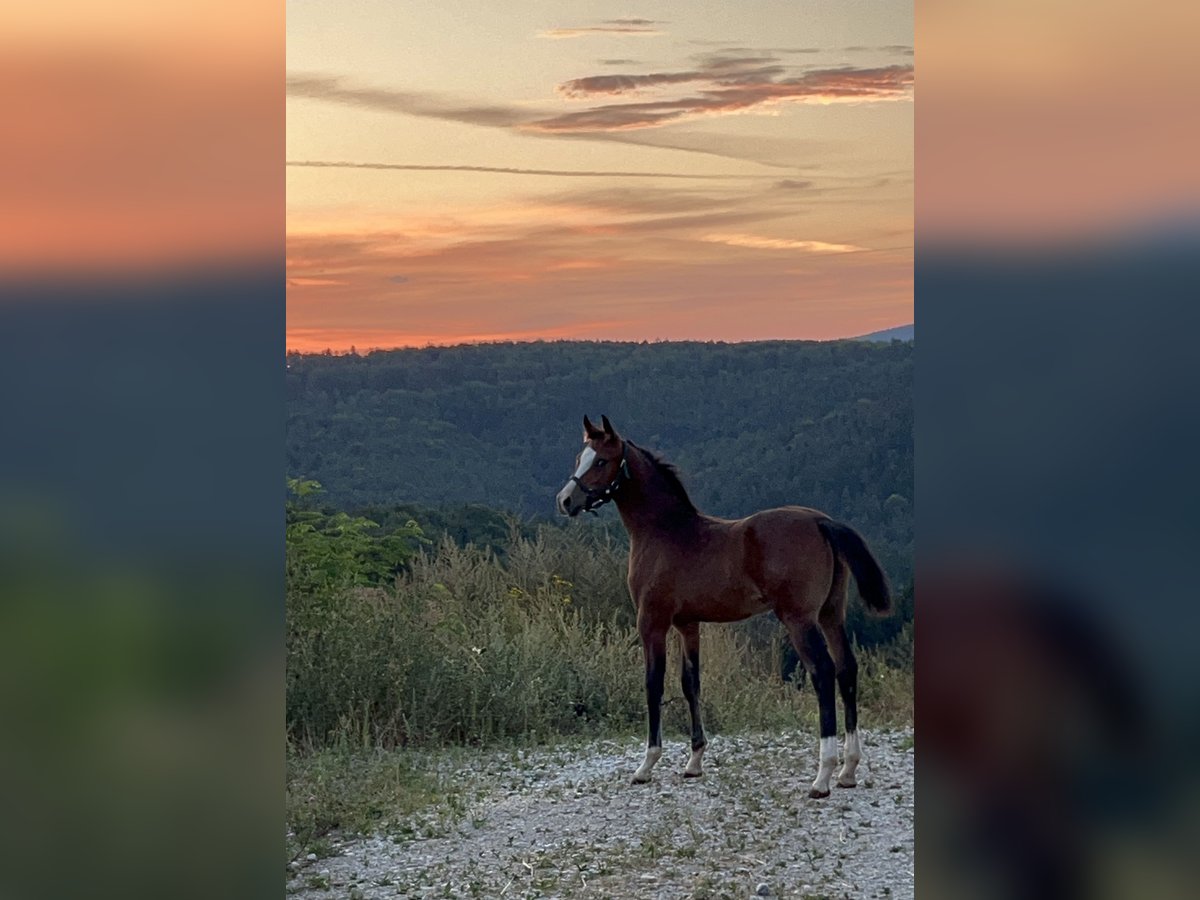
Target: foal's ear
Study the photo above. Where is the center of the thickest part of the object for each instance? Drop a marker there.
(608, 429)
(590, 431)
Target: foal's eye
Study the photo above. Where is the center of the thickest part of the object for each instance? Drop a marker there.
(600, 463)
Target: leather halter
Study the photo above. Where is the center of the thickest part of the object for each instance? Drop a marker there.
(597, 497)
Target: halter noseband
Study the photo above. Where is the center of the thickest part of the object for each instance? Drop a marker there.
(597, 497)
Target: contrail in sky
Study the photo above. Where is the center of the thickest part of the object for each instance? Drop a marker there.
(322, 164)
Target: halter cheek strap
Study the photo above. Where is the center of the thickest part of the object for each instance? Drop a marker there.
(597, 497)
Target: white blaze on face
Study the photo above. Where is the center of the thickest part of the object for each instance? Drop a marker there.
(586, 459)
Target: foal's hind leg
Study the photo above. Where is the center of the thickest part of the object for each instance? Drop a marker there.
(810, 644)
(689, 677)
(846, 667)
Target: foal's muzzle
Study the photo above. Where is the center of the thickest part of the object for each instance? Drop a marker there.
(571, 500)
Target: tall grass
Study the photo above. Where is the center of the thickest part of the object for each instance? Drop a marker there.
(467, 649)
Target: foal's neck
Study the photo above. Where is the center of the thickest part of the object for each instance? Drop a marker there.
(649, 506)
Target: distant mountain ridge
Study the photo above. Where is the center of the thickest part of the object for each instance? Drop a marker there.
(899, 333)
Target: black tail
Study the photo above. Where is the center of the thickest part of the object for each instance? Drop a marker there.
(872, 583)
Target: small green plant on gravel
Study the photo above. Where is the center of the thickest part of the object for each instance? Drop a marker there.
(320, 847)
(351, 792)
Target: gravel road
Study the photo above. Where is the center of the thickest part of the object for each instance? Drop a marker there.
(567, 823)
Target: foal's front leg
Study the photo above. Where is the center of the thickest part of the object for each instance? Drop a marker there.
(654, 645)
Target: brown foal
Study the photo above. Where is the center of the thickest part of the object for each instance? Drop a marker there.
(686, 568)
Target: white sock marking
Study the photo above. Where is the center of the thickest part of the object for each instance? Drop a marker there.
(652, 756)
(852, 755)
(828, 764)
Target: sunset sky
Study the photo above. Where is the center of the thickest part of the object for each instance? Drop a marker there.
(535, 170)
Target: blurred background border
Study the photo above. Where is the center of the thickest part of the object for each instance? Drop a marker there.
(142, 315)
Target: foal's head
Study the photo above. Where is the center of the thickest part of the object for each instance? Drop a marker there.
(600, 469)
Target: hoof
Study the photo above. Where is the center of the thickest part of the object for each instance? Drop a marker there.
(814, 794)
(640, 779)
(843, 784)
(687, 774)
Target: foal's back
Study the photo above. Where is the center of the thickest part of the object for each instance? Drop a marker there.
(724, 570)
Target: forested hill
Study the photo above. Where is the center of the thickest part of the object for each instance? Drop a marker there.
(752, 425)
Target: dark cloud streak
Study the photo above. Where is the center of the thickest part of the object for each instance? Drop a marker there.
(902, 49)
(334, 90)
(620, 84)
(729, 73)
(615, 26)
(848, 84)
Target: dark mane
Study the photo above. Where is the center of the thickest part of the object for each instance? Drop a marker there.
(670, 477)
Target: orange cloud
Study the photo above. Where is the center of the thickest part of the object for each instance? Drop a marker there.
(762, 243)
(313, 282)
(550, 283)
